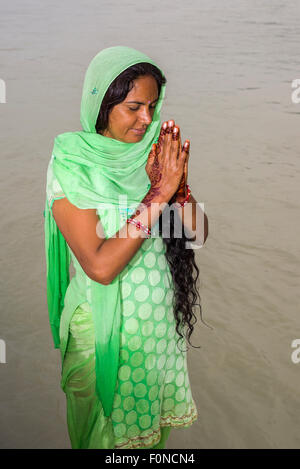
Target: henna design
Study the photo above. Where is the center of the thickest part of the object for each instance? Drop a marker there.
(146, 202)
(182, 189)
(160, 139)
(178, 152)
(154, 191)
(155, 173)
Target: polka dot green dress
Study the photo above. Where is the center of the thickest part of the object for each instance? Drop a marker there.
(153, 391)
(153, 382)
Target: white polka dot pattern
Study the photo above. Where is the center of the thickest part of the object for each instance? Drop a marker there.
(153, 383)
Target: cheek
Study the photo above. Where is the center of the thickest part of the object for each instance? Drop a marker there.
(122, 121)
(129, 121)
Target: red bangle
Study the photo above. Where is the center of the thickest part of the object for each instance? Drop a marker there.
(185, 201)
(140, 226)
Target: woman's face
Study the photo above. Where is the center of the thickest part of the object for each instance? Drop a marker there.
(135, 112)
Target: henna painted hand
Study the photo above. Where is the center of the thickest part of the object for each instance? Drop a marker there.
(167, 161)
(181, 192)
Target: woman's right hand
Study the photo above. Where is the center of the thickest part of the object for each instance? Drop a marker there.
(165, 165)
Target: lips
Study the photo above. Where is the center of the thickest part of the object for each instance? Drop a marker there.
(139, 131)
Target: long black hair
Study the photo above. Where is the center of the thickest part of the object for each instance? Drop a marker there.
(181, 261)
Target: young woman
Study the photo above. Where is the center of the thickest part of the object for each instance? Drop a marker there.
(119, 321)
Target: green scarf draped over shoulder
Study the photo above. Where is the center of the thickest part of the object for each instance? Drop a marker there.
(94, 171)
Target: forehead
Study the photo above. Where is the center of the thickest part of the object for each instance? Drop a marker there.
(144, 87)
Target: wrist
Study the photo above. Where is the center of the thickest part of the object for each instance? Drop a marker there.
(181, 198)
(160, 194)
(181, 193)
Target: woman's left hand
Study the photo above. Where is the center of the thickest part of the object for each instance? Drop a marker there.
(181, 193)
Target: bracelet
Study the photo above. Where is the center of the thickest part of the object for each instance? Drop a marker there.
(182, 204)
(139, 226)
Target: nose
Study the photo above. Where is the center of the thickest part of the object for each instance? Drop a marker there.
(145, 116)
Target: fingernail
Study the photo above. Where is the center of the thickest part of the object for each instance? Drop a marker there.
(165, 125)
(170, 127)
(175, 133)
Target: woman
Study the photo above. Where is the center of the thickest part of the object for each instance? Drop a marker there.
(119, 320)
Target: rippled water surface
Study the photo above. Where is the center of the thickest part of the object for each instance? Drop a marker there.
(229, 67)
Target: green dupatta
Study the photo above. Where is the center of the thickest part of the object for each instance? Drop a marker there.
(94, 171)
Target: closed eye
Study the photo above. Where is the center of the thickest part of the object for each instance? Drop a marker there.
(137, 108)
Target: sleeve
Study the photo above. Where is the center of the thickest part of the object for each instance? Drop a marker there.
(53, 189)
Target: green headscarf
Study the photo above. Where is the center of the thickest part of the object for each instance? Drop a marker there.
(94, 170)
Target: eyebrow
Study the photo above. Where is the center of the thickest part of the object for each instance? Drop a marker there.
(138, 102)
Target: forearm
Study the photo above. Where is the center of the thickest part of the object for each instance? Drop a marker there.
(195, 221)
(115, 253)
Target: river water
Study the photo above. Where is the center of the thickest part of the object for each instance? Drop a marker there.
(229, 66)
